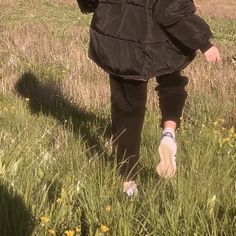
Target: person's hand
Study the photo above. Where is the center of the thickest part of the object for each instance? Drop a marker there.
(212, 55)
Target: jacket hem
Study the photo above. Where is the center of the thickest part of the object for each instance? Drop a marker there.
(144, 77)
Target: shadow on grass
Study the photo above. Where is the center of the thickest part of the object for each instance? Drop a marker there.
(46, 98)
(15, 217)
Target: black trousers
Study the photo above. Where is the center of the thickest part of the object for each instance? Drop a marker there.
(128, 101)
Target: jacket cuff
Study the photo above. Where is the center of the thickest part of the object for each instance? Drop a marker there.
(205, 46)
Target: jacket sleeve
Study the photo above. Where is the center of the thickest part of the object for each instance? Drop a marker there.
(179, 19)
(87, 6)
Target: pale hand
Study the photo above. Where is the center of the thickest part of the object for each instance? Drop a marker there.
(212, 55)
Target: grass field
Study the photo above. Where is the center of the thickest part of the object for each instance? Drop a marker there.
(55, 171)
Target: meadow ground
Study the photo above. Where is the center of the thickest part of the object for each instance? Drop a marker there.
(56, 176)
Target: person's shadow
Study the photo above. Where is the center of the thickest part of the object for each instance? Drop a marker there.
(46, 98)
(15, 218)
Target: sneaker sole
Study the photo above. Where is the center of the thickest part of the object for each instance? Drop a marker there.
(130, 189)
(167, 166)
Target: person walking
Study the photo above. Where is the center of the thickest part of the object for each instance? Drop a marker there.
(133, 41)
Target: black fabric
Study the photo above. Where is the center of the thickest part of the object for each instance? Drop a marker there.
(179, 19)
(141, 39)
(205, 47)
(128, 100)
(172, 97)
(87, 6)
(134, 61)
(170, 12)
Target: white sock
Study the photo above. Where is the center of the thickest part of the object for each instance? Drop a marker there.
(169, 130)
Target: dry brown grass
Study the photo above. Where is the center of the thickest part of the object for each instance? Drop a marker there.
(34, 48)
(217, 8)
(67, 2)
(6, 2)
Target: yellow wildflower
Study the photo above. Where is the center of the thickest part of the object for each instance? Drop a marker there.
(59, 200)
(77, 230)
(104, 229)
(52, 231)
(44, 220)
(27, 99)
(69, 233)
(108, 208)
(225, 140)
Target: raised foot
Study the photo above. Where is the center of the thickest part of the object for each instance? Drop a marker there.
(167, 151)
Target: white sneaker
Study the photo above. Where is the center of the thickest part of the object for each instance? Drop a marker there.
(130, 188)
(167, 151)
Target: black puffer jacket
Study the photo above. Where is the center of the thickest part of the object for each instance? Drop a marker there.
(138, 39)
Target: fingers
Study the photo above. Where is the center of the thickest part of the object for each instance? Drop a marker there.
(212, 55)
(213, 59)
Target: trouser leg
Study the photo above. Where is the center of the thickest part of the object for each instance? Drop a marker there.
(172, 96)
(128, 100)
